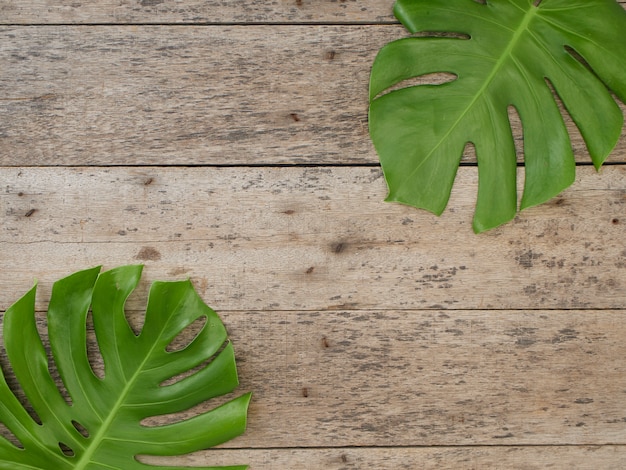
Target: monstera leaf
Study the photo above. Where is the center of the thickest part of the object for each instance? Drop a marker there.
(503, 53)
(98, 423)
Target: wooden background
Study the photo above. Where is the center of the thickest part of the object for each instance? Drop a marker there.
(226, 141)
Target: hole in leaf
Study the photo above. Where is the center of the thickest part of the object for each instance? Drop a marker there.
(574, 53)
(66, 450)
(515, 122)
(426, 79)
(190, 372)
(93, 350)
(441, 34)
(187, 335)
(81, 429)
(7, 435)
(517, 131)
(195, 410)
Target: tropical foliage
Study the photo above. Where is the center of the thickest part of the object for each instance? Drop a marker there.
(501, 54)
(93, 422)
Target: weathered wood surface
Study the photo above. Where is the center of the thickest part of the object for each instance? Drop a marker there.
(458, 458)
(373, 335)
(407, 378)
(416, 378)
(196, 11)
(171, 95)
(315, 238)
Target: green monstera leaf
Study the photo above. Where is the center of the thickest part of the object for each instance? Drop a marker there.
(505, 53)
(102, 425)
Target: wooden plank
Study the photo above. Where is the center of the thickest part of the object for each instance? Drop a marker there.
(454, 458)
(387, 378)
(417, 378)
(193, 95)
(314, 238)
(196, 11)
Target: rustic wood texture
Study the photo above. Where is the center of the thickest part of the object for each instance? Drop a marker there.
(227, 142)
(196, 11)
(418, 378)
(427, 378)
(524, 458)
(168, 95)
(315, 238)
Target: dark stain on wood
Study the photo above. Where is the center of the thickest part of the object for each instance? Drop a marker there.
(524, 337)
(583, 401)
(151, 3)
(178, 271)
(330, 55)
(30, 213)
(531, 289)
(526, 258)
(310, 270)
(289, 212)
(338, 247)
(525, 342)
(148, 253)
(295, 117)
(564, 335)
(325, 343)
(305, 392)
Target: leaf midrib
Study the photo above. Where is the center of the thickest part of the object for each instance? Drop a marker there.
(106, 424)
(523, 26)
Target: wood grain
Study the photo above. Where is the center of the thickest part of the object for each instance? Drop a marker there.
(426, 378)
(172, 95)
(416, 378)
(196, 11)
(314, 238)
(457, 458)
(227, 142)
